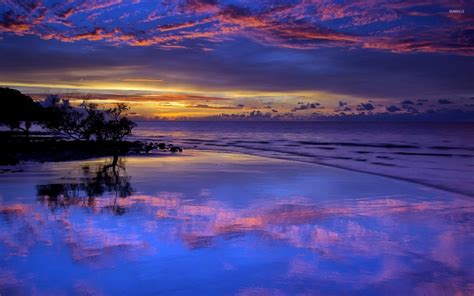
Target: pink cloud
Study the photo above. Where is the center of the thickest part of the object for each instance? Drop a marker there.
(304, 24)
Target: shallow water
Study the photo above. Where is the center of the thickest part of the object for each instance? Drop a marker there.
(206, 223)
(438, 154)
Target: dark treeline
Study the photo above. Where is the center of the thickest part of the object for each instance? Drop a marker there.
(70, 132)
(57, 116)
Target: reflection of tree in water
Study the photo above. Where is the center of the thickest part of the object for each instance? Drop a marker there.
(105, 179)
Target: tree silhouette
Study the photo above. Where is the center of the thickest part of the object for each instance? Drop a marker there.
(116, 125)
(18, 111)
(87, 121)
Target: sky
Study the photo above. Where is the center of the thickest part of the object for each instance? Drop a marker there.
(268, 59)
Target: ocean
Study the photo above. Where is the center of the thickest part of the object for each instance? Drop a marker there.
(430, 153)
(223, 223)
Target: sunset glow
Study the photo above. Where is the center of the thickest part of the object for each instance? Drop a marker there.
(281, 60)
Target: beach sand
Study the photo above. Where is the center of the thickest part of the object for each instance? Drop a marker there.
(214, 223)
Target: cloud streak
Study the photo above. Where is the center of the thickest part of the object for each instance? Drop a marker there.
(294, 24)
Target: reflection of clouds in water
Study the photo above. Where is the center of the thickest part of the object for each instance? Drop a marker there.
(361, 228)
(83, 288)
(387, 242)
(299, 267)
(87, 243)
(205, 193)
(9, 281)
(254, 291)
(22, 229)
(100, 247)
(446, 249)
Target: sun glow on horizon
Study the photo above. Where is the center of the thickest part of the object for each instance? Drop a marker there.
(178, 102)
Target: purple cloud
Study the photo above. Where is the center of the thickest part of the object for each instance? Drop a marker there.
(179, 23)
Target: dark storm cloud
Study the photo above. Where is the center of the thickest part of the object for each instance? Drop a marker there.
(365, 107)
(252, 67)
(444, 102)
(307, 106)
(164, 97)
(205, 106)
(393, 109)
(410, 109)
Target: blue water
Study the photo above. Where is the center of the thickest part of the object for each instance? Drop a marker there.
(437, 154)
(206, 222)
(209, 223)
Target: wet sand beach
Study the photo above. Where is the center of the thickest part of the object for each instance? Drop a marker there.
(436, 154)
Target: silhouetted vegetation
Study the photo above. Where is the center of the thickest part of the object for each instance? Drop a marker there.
(69, 132)
(87, 122)
(18, 111)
